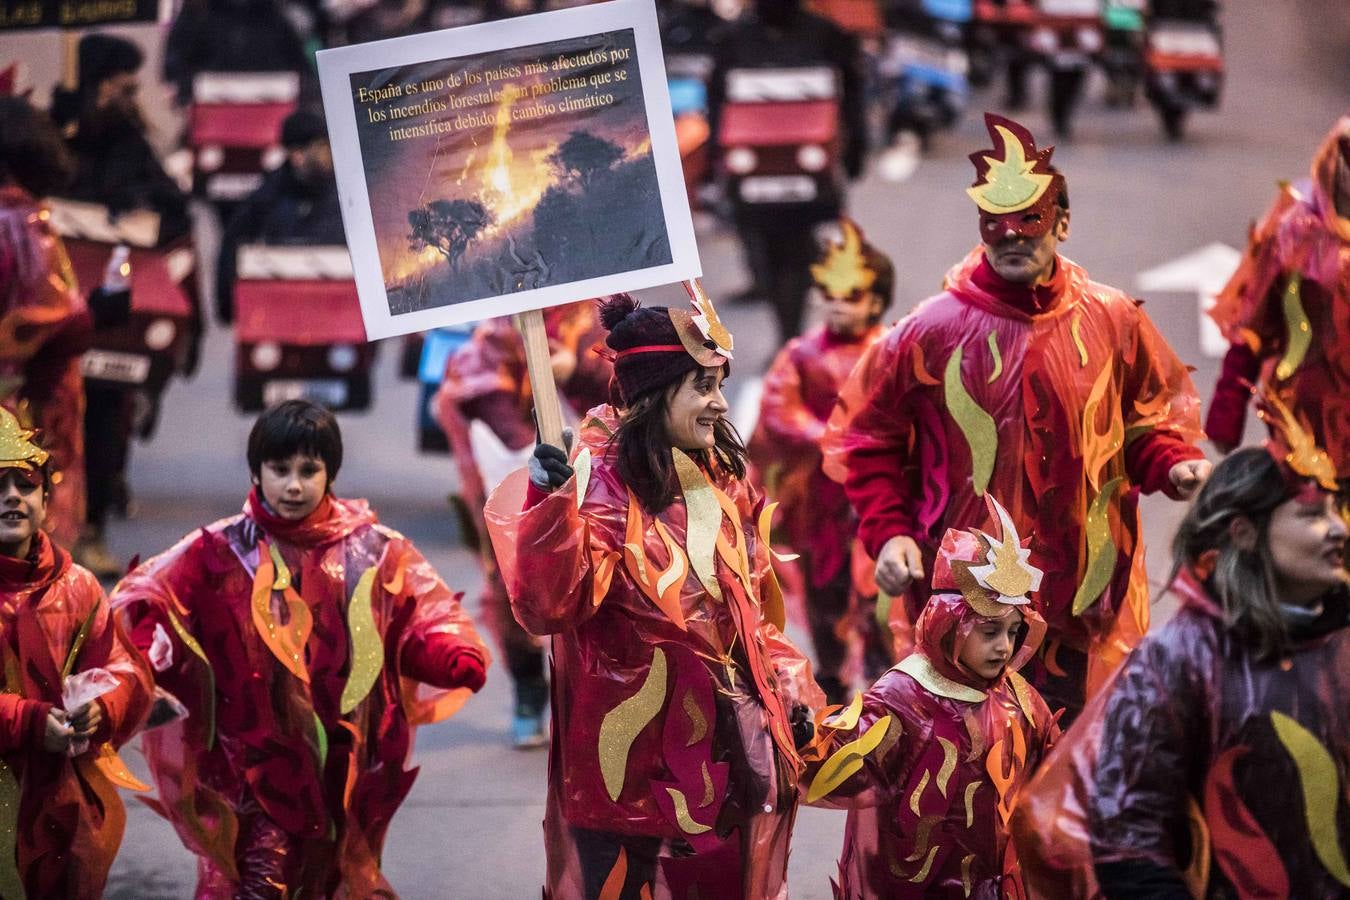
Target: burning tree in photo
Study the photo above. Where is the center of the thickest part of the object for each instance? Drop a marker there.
(447, 226)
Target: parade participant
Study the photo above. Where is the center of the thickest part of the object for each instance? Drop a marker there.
(1184, 777)
(232, 36)
(103, 122)
(296, 204)
(307, 642)
(1026, 380)
(74, 691)
(778, 238)
(1286, 308)
(855, 284)
(44, 320)
(486, 381)
(945, 739)
(675, 695)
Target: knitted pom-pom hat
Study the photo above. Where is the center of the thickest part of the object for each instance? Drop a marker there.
(654, 345)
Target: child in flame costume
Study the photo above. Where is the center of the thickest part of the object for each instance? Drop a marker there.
(675, 694)
(486, 381)
(1027, 380)
(1287, 309)
(74, 690)
(307, 642)
(1216, 762)
(855, 283)
(929, 761)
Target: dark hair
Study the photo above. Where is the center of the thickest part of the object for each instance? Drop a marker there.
(32, 153)
(296, 426)
(1248, 484)
(1062, 201)
(643, 453)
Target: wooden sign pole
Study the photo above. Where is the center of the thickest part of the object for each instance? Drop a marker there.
(547, 411)
(70, 56)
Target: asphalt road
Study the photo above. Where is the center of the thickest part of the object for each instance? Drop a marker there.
(471, 827)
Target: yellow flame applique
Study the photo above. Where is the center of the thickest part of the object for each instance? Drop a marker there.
(1298, 330)
(948, 765)
(703, 521)
(367, 644)
(845, 761)
(1321, 791)
(623, 723)
(844, 270)
(17, 450)
(976, 425)
(1101, 549)
(1008, 571)
(1010, 184)
(686, 821)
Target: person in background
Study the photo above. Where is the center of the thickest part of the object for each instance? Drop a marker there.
(307, 642)
(1214, 764)
(855, 285)
(74, 691)
(233, 36)
(297, 203)
(1287, 310)
(486, 382)
(44, 319)
(1028, 380)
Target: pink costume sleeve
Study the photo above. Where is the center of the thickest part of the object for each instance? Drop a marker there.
(782, 412)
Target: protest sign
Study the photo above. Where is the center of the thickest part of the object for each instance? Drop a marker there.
(24, 14)
(507, 166)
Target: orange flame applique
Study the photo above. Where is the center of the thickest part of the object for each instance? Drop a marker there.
(286, 641)
(1006, 760)
(844, 271)
(662, 586)
(1012, 176)
(707, 319)
(1293, 442)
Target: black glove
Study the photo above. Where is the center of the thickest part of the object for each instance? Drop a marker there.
(548, 468)
(803, 729)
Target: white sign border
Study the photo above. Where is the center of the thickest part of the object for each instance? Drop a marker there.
(335, 69)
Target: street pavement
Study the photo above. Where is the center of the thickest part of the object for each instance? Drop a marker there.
(471, 826)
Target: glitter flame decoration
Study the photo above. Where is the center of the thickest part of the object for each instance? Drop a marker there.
(17, 450)
(1014, 175)
(1292, 442)
(844, 271)
(707, 320)
(1009, 572)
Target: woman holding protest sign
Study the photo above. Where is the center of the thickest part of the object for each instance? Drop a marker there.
(678, 705)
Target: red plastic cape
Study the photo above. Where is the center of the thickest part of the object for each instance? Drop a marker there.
(931, 768)
(1289, 304)
(302, 755)
(1229, 772)
(55, 620)
(44, 329)
(670, 705)
(968, 394)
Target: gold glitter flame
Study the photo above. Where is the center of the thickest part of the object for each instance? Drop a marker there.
(844, 270)
(1011, 183)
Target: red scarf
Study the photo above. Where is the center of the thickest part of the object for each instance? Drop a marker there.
(44, 563)
(332, 520)
(1022, 297)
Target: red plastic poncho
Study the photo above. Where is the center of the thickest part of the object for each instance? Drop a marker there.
(54, 622)
(1200, 762)
(44, 330)
(1287, 312)
(306, 653)
(487, 379)
(1064, 415)
(944, 754)
(670, 705)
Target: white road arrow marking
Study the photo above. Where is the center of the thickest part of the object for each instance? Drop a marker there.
(1204, 271)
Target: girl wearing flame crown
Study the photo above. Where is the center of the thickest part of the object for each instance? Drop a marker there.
(854, 283)
(929, 761)
(74, 689)
(1216, 763)
(676, 714)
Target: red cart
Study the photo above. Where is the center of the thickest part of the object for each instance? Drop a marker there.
(233, 130)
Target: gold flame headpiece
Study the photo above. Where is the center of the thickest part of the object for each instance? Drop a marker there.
(1014, 175)
(990, 572)
(844, 270)
(1292, 443)
(17, 450)
(702, 327)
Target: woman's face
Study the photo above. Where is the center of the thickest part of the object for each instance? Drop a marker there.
(293, 487)
(990, 644)
(1307, 546)
(693, 407)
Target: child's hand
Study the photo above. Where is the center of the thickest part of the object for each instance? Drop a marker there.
(56, 737)
(85, 720)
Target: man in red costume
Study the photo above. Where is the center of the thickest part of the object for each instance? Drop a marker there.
(855, 283)
(1027, 380)
(307, 642)
(73, 691)
(1287, 309)
(486, 382)
(947, 738)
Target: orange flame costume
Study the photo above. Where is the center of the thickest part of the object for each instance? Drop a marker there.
(1064, 401)
(930, 760)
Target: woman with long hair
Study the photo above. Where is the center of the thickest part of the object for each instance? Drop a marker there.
(678, 705)
(1217, 762)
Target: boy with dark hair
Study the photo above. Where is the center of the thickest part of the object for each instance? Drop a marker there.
(73, 691)
(854, 283)
(307, 641)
